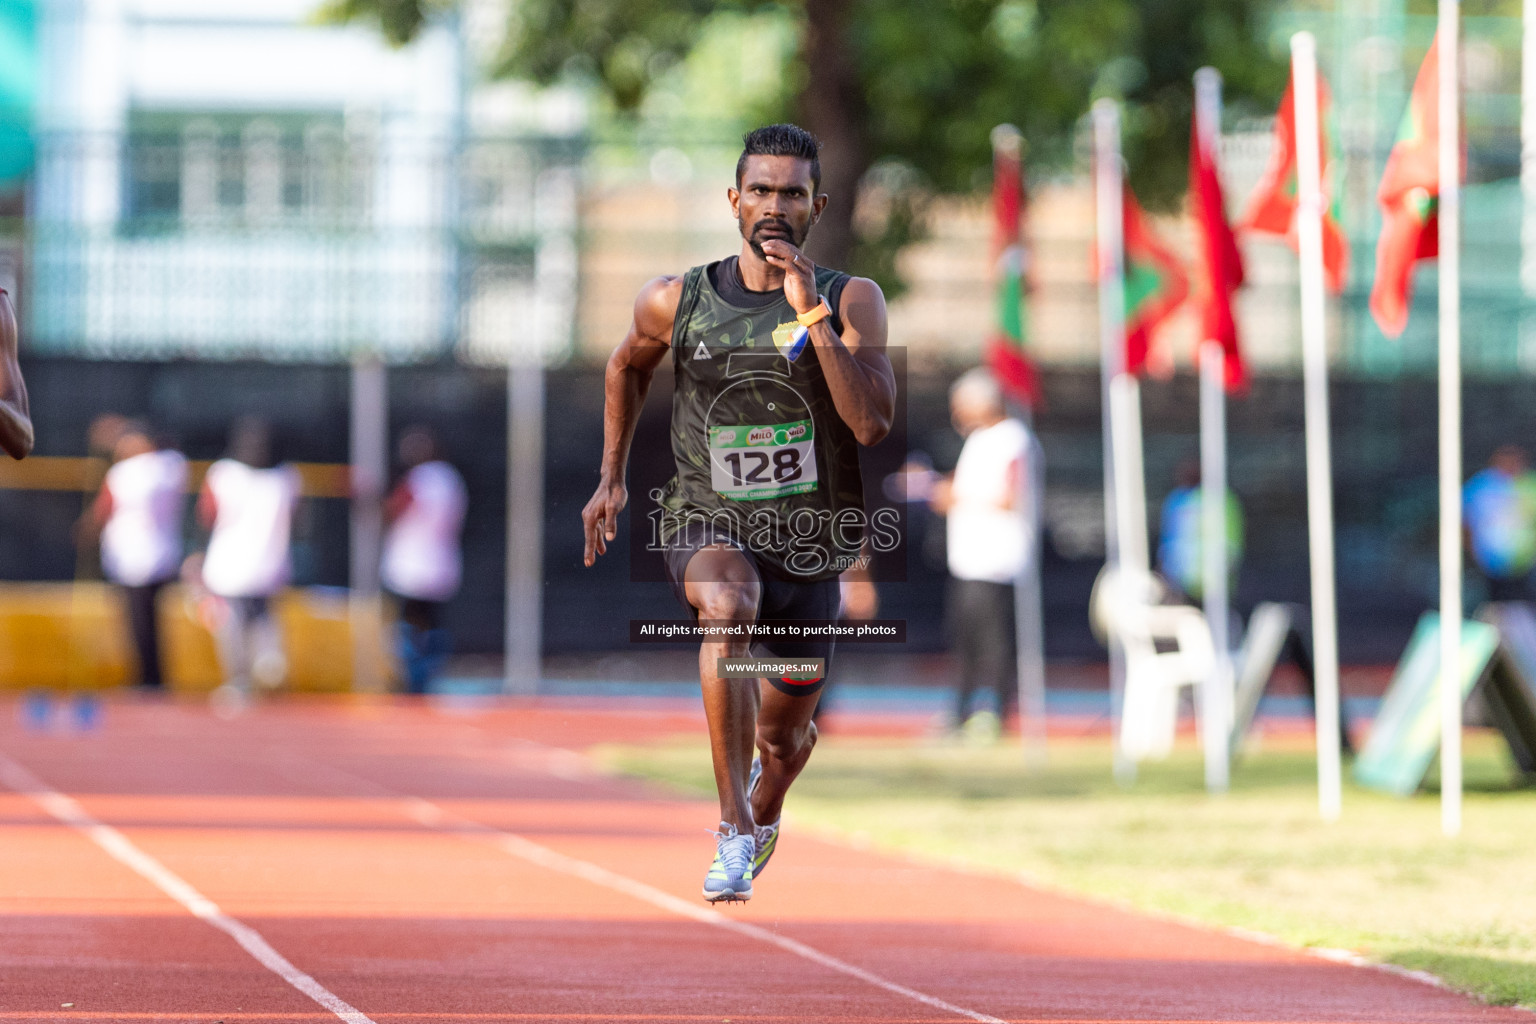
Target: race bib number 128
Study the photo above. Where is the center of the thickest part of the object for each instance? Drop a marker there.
(752, 463)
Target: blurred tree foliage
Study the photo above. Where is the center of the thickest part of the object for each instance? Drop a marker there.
(912, 89)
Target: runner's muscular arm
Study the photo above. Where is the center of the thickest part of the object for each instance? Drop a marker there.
(857, 370)
(855, 365)
(625, 385)
(15, 414)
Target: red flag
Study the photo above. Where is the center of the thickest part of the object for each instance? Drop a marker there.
(1409, 198)
(1155, 284)
(1221, 265)
(1272, 207)
(1005, 346)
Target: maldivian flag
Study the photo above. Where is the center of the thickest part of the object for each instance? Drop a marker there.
(1220, 263)
(1155, 284)
(1272, 207)
(1005, 346)
(1410, 198)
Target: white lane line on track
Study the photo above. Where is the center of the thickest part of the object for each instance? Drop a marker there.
(122, 849)
(433, 816)
(554, 860)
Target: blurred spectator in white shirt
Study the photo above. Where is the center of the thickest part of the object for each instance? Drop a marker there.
(422, 563)
(138, 511)
(248, 502)
(987, 547)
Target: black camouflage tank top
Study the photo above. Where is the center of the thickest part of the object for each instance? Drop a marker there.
(761, 452)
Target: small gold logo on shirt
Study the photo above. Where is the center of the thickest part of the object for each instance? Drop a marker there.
(784, 335)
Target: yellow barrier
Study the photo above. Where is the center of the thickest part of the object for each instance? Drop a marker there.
(67, 473)
(74, 636)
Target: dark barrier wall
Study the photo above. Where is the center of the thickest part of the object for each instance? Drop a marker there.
(308, 406)
(1384, 464)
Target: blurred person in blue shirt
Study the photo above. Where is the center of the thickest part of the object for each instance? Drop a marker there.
(1180, 545)
(1500, 508)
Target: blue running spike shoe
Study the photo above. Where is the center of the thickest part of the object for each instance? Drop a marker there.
(764, 837)
(730, 876)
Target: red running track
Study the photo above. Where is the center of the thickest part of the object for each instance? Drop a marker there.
(394, 863)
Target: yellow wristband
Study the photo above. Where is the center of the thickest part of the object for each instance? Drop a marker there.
(815, 315)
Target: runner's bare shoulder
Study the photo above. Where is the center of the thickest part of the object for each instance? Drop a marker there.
(8, 328)
(656, 309)
(16, 437)
(862, 310)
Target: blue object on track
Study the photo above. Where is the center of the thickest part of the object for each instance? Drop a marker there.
(36, 710)
(87, 710)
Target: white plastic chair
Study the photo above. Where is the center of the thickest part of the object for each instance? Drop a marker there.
(1131, 610)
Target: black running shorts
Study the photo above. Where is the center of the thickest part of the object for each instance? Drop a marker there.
(779, 600)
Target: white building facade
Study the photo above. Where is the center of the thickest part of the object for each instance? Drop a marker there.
(232, 180)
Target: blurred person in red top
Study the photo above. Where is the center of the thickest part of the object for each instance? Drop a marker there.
(422, 563)
(138, 512)
(15, 414)
(247, 503)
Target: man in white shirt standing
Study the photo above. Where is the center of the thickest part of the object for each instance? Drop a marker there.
(248, 504)
(987, 548)
(139, 512)
(422, 562)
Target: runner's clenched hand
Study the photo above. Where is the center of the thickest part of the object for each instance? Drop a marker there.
(799, 273)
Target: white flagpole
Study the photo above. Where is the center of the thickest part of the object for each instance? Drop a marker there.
(1028, 600)
(1450, 425)
(370, 468)
(522, 664)
(1314, 341)
(1108, 196)
(1130, 477)
(1216, 695)
(1130, 509)
(1029, 608)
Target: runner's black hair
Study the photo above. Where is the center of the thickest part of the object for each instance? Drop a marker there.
(781, 140)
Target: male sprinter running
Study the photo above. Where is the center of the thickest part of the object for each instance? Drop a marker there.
(15, 415)
(781, 374)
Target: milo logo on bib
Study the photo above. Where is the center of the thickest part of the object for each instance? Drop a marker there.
(751, 463)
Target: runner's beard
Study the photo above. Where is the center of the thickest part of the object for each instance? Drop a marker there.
(755, 239)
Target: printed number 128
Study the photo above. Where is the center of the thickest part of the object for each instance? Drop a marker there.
(785, 462)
